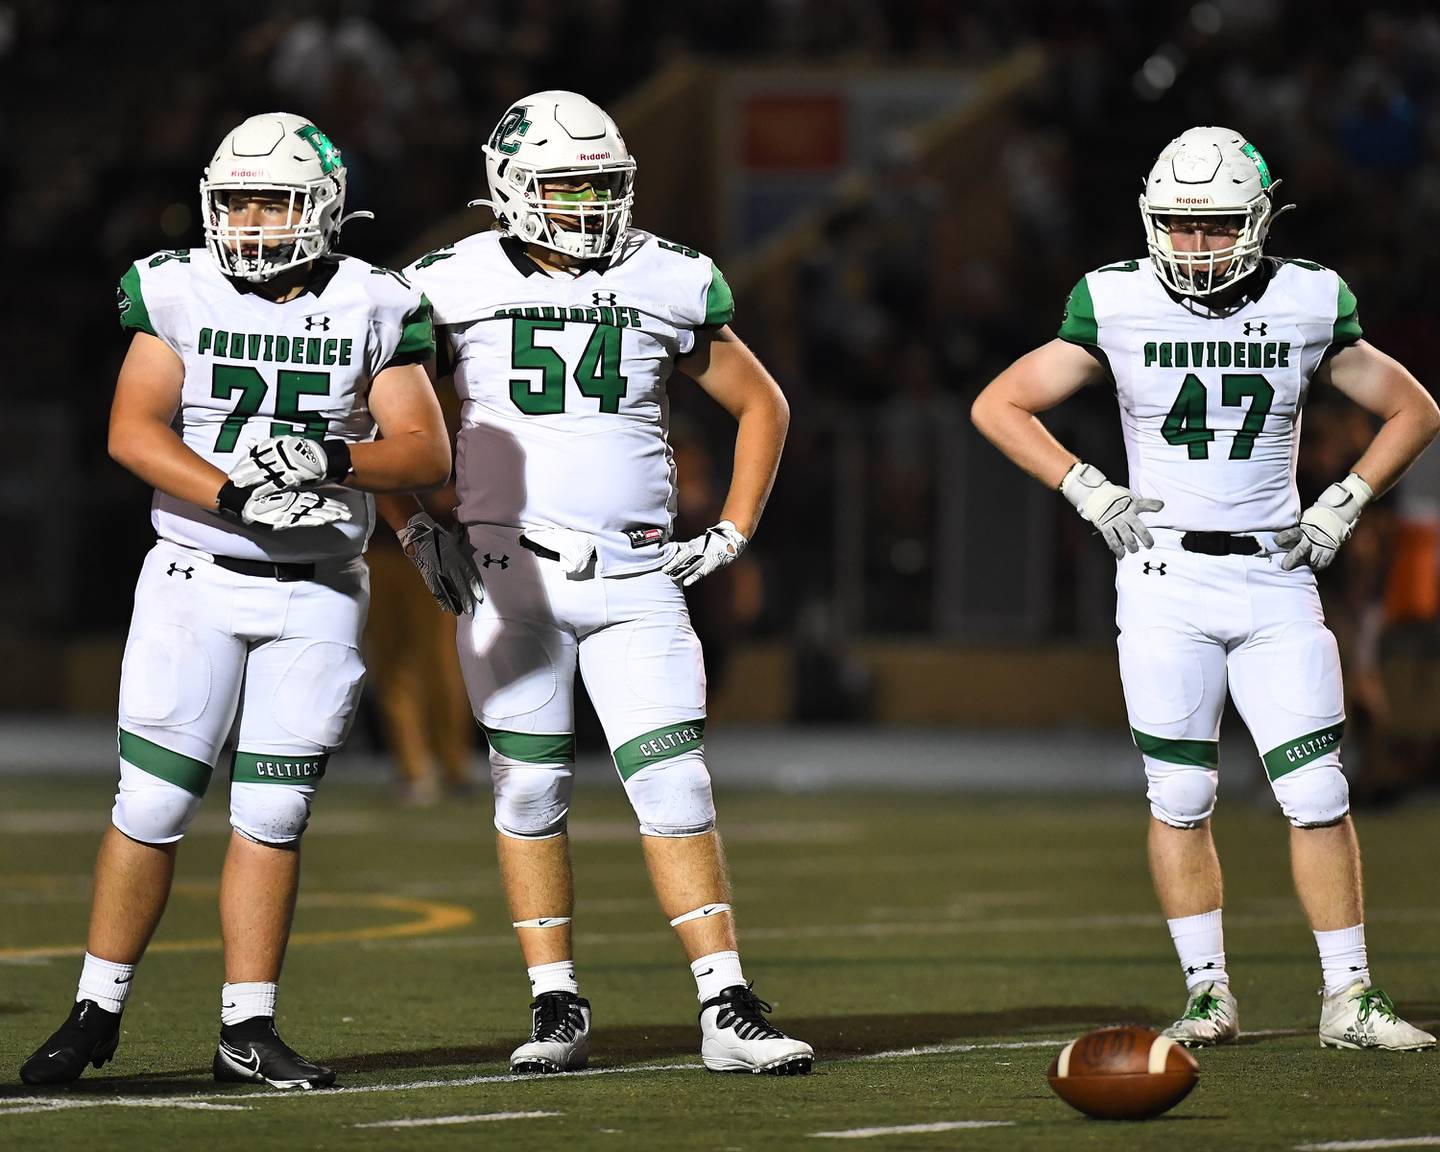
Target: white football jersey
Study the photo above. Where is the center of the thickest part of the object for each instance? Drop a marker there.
(562, 382)
(256, 369)
(1210, 404)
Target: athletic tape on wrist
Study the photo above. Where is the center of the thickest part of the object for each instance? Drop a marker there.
(541, 922)
(231, 499)
(337, 459)
(700, 913)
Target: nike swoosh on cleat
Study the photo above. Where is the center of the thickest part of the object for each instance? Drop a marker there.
(250, 1063)
(52, 1055)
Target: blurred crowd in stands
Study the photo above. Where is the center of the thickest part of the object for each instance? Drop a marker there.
(109, 111)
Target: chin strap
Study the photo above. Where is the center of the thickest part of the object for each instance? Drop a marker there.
(353, 216)
(482, 203)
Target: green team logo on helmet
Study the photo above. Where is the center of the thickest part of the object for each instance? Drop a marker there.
(513, 123)
(328, 153)
(1254, 153)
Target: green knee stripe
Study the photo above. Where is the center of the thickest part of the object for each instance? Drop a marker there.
(661, 744)
(533, 747)
(1196, 753)
(253, 768)
(1294, 753)
(182, 771)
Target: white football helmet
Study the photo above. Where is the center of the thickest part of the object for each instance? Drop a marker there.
(1208, 172)
(275, 152)
(560, 137)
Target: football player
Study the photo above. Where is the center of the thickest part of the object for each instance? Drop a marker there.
(259, 372)
(1211, 348)
(563, 328)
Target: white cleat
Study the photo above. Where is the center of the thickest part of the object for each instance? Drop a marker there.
(736, 1037)
(1211, 1017)
(1363, 1017)
(559, 1035)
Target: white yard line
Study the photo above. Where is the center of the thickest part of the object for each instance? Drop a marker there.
(18, 1105)
(1358, 1145)
(947, 1049)
(903, 1129)
(476, 1119)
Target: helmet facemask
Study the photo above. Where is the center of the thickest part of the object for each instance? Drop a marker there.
(258, 253)
(587, 224)
(1195, 273)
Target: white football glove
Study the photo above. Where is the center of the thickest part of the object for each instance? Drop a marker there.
(696, 559)
(444, 561)
(283, 463)
(281, 510)
(571, 550)
(1112, 509)
(1326, 525)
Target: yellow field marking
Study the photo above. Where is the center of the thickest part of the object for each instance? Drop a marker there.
(431, 917)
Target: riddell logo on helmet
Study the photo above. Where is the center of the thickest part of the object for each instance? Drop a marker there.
(1192, 199)
(594, 156)
(247, 172)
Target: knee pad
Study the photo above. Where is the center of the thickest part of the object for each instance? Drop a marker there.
(151, 809)
(1315, 794)
(673, 798)
(271, 814)
(532, 801)
(1180, 795)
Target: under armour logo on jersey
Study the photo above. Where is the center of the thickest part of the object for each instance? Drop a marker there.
(502, 561)
(175, 568)
(1257, 329)
(604, 299)
(1149, 567)
(313, 322)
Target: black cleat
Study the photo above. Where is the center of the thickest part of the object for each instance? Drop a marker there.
(559, 1035)
(252, 1051)
(89, 1035)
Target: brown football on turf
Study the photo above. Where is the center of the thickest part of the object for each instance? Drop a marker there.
(1126, 1073)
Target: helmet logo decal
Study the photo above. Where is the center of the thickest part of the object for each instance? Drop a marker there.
(1254, 153)
(513, 123)
(328, 153)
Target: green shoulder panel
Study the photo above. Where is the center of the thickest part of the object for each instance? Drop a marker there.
(1347, 318)
(130, 299)
(719, 303)
(417, 337)
(1078, 326)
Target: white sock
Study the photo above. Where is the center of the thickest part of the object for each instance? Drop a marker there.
(104, 982)
(716, 972)
(1200, 944)
(244, 1001)
(557, 977)
(1342, 958)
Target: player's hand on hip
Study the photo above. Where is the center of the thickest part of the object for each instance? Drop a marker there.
(284, 463)
(695, 559)
(281, 510)
(1326, 525)
(1113, 509)
(445, 564)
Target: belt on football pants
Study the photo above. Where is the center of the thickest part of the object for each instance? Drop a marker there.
(269, 569)
(1220, 544)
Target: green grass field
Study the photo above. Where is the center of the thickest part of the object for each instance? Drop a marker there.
(936, 950)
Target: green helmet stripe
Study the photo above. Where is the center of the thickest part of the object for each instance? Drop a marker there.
(1254, 153)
